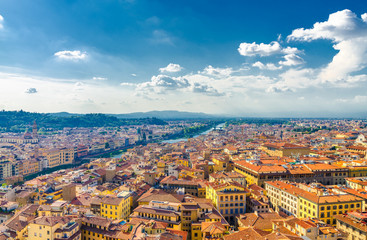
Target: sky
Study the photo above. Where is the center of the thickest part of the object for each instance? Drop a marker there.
(239, 58)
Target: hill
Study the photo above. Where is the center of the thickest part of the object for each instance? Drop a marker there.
(165, 115)
(17, 121)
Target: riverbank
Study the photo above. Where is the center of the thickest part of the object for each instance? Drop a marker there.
(114, 153)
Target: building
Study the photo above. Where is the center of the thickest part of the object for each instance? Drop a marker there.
(5, 168)
(357, 183)
(229, 198)
(99, 228)
(53, 228)
(307, 228)
(228, 177)
(56, 157)
(116, 207)
(69, 192)
(257, 172)
(307, 201)
(353, 224)
(285, 149)
(194, 187)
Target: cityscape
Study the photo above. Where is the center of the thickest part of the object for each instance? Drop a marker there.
(183, 120)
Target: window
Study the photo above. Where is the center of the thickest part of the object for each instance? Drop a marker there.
(328, 208)
(322, 208)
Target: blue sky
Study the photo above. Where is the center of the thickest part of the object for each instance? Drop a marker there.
(249, 58)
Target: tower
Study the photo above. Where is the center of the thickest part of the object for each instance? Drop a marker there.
(34, 130)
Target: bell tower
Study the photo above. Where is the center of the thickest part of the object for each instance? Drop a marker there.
(34, 130)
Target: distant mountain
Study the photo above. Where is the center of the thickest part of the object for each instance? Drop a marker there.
(64, 114)
(166, 115)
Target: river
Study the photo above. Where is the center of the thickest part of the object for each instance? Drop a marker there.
(197, 135)
(181, 139)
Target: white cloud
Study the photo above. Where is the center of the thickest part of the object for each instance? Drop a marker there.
(31, 91)
(79, 86)
(356, 100)
(205, 89)
(210, 70)
(128, 84)
(71, 55)
(172, 67)
(133, 74)
(349, 33)
(263, 49)
(364, 17)
(162, 83)
(161, 37)
(99, 78)
(294, 79)
(291, 60)
(1, 22)
(360, 99)
(268, 66)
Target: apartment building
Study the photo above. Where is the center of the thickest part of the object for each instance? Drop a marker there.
(229, 198)
(311, 202)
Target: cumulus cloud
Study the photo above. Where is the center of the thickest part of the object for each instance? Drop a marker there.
(294, 79)
(1, 22)
(210, 70)
(348, 32)
(162, 83)
(71, 55)
(291, 60)
(133, 74)
(31, 90)
(171, 68)
(263, 49)
(268, 66)
(205, 89)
